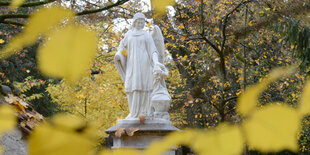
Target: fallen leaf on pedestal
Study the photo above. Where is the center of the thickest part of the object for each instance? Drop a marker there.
(119, 132)
(18, 106)
(131, 131)
(142, 119)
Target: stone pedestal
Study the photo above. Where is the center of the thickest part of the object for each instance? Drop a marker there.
(148, 132)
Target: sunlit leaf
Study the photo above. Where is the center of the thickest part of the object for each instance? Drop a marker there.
(8, 118)
(16, 3)
(273, 128)
(1, 41)
(124, 52)
(39, 23)
(172, 140)
(225, 140)
(61, 136)
(68, 121)
(68, 53)
(184, 37)
(159, 6)
(249, 100)
(304, 107)
(1, 150)
(120, 152)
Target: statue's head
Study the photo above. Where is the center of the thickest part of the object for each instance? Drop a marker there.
(138, 21)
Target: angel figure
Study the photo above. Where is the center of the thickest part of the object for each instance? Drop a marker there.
(137, 67)
(160, 101)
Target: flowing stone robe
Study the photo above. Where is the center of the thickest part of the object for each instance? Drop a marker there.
(137, 70)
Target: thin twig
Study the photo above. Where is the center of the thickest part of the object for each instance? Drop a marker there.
(28, 4)
(119, 2)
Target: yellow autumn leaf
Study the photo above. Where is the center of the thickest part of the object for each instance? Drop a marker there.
(149, 24)
(120, 152)
(124, 52)
(304, 107)
(16, 3)
(8, 119)
(63, 119)
(39, 23)
(62, 136)
(251, 23)
(68, 53)
(172, 140)
(224, 140)
(249, 100)
(159, 6)
(184, 37)
(273, 128)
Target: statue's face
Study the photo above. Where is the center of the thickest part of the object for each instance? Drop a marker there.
(139, 24)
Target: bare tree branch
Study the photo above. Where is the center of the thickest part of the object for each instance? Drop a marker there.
(119, 2)
(208, 42)
(12, 16)
(221, 53)
(226, 20)
(3, 17)
(13, 23)
(28, 4)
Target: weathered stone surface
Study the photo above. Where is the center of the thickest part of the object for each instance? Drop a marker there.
(156, 125)
(13, 143)
(151, 130)
(139, 61)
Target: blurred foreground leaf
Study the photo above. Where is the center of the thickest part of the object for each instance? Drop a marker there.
(249, 100)
(272, 128)
(16, 3)
(160, 6)
(120, 152)
(224, 140)
(304, 107)
(68, 53)
(39, 23)
(64, 135)
(8, 119)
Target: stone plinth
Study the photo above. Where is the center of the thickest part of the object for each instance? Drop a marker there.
(148, 132)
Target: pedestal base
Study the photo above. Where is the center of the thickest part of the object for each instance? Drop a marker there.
(148, 132)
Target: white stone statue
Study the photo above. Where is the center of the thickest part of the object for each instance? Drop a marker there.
(142, 71)
(160, 97)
